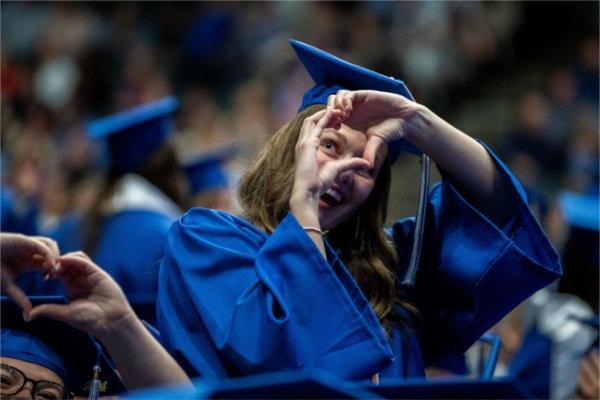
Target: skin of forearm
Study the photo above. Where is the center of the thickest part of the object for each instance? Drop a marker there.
(140, 359)
(464, 161)
(305, 210)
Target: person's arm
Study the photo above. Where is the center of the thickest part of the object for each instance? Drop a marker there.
(386, 116)
(310, 181)
(98, 306)
(588, 378)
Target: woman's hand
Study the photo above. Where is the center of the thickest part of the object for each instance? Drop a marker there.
(588, 381)
(311, 180)
(20, 253)
(382, 116)
(98, 305)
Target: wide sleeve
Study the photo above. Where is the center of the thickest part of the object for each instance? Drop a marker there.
(234, 301)
(473, 272)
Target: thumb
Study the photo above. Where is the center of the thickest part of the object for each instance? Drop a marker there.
(17, 295)
(371, 148)
(350, 163)
(333, 169)
(59, 312)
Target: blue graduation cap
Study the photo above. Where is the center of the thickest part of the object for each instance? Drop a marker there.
(331, 74)
(72, 354)
(134, 134)
(208, 171)
(302, 384)
(581, 210)
(451, 388)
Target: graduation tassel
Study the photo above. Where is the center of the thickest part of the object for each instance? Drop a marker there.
(411, 273)
(95, 384)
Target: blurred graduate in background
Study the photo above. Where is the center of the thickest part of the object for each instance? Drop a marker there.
(144, 191)
(548, 342)
(209, 179)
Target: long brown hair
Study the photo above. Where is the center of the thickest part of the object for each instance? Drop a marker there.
(264, 194)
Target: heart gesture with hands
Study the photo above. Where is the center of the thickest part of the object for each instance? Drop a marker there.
(381, 116)
(312, 180)
(97, 302)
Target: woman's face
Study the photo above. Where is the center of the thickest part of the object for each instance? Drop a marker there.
(351, 188)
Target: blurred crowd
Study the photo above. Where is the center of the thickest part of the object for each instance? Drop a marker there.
(524, 77)
(64, 64)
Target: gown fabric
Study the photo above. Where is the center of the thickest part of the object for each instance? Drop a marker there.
(235, 301)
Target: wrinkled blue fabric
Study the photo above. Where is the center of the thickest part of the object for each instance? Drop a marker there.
(235, 301)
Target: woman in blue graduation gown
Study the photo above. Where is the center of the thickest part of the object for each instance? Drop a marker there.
(308, 278)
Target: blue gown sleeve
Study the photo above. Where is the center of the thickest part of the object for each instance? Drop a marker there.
(234, 301)
(473, 272)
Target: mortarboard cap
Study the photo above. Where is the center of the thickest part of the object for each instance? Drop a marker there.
(581, 210)
(331, 74)
(303, 384)
(134, 134)
(69, 352)
(208, 171)
(450, 388)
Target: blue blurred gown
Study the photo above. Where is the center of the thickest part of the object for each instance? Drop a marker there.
(235, 301)
(129, 247)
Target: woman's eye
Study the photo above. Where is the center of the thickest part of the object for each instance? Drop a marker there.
(329, 146)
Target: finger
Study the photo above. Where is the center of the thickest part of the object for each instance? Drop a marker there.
(587, 371)
(59, 312)
(358, 96)
(50, 243)
(330, 100)
(78, 254)
(46, 248)
(322, 123)
(17, 295)
(309, 123)
(76, 263)
(373, 145)
(337, 100)
(350, 163)
(333, 169)
(347, 101)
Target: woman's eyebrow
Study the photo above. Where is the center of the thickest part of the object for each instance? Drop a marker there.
(339, 135)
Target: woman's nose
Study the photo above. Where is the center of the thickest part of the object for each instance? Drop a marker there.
(26, 393)
(346, 177)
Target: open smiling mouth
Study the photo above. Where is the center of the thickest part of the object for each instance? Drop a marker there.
(331, 198)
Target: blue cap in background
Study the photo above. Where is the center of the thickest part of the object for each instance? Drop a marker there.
(208, 171)
(134, 134)
(581, 210)
(69, 352)
(331, 74)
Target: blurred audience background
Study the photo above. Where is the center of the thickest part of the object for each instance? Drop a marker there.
(521, 76)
